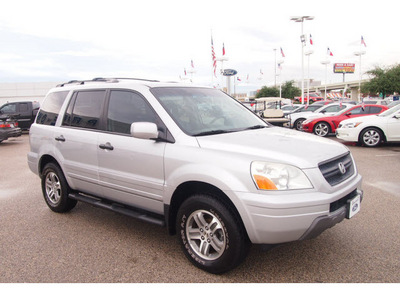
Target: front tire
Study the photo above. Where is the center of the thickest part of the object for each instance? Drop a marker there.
(55, 189)
(371, 137)
(210, 234)
(297, 124)
(322, 129)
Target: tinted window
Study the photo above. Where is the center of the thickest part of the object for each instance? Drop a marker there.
(50, 109)
(126, 108)
(23, 107)
(9, 108)
(357, 111)
(374, 110)
(86, 110)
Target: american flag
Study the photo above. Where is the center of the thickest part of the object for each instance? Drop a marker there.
(311, 42)
(363, 42)
(283, 55)
(192, 63)
(214, 59)
(330, 52)
(223, 49)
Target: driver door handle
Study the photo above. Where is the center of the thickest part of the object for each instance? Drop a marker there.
(106, 146)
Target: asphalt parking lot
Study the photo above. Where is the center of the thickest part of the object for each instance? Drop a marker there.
(93, 245)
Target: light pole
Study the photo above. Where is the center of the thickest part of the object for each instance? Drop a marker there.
(308, 53)
(303, 42)
(359, 53)
(326, 63)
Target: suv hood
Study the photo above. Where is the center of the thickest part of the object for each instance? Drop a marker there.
(276, 144)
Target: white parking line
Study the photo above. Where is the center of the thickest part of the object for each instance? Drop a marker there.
(389, 187)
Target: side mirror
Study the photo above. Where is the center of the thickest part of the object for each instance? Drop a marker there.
(144, 130)
(397, 116)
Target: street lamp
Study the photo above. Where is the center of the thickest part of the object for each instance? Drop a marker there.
(359, 53)
(301, 20)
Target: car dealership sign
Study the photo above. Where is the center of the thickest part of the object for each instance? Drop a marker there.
(229, 72)
(344, 68)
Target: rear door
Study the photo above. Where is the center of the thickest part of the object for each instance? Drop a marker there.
(131, 170)
(77, 140)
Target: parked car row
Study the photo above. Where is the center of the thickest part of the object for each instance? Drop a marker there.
(366, 124)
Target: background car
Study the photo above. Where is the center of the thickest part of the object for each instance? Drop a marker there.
(290, 108)
(24, 112)
(371, 131)
(8, 128)
(325, 125)
(302, 114)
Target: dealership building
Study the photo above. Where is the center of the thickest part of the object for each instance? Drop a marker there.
(24, 91)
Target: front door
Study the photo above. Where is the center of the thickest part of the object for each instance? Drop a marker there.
(131, 170)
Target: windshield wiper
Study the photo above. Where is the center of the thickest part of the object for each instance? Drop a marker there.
(256, 127)
(211, 132)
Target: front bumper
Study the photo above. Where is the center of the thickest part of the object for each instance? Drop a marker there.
(281, 218)
(347, 134)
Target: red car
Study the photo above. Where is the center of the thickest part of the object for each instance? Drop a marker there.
(322, 126)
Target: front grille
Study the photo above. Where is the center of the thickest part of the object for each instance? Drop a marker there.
(338, 169)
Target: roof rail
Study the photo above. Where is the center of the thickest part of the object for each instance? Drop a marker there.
(101, 79)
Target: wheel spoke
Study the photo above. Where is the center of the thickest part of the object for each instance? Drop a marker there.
(205, 234)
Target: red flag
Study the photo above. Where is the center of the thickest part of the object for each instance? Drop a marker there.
(223, 49)
(311, 42)
(283, 55)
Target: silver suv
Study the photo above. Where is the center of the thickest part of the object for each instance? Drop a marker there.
(191, 159)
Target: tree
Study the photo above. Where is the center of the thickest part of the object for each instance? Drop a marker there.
(268, 92)
(288, 91)
(383, 81)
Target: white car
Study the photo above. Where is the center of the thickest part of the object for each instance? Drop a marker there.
(372, 130)
(314, 111)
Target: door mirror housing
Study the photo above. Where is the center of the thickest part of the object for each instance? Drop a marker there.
(144, 130)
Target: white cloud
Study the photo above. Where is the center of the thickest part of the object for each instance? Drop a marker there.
(157, 39)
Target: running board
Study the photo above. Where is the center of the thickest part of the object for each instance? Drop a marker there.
(121, 209)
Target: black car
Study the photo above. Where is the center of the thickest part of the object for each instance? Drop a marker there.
(24, 112)
(8, 128)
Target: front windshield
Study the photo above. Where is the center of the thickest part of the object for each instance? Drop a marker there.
(203, 111)
(390, 111)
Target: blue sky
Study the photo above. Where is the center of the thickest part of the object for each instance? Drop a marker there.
(64, 40)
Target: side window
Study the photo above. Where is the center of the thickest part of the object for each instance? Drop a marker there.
(50, 109)
(356, 111)
(87, 109)
(23, 107)
(125, 108)
(333, 108)
(9, 108)
(375, 110)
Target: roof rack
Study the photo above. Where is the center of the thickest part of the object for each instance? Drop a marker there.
(100, 79)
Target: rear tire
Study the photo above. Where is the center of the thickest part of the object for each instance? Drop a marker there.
(55, 189)
(210, 234)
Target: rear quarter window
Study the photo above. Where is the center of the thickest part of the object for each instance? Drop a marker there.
(50, 109)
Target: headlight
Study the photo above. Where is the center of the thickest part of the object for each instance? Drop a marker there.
(351, 125)
(274, 176)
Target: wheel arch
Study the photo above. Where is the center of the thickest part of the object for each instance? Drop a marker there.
(372, 127)
(189, 188)
(44, 160)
